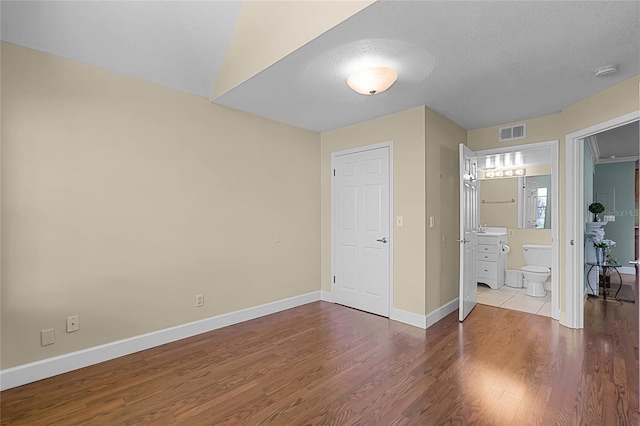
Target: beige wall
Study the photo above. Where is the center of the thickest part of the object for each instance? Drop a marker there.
(406, 130)
(540, 129)
(610, 103)
(503, 215)
(1, 102)
(267, 31)
(425, 166)
(122, 200)
(442, 139)
(614, 102)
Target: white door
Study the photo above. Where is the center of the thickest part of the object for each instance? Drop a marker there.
(468, 231)
(636, 262)
(361, 213)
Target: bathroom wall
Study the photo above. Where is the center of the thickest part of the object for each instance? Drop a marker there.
(506, 216)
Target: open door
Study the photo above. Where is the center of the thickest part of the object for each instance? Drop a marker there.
(636, 261)
(469, 209)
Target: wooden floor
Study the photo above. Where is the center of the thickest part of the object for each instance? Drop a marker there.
(326, 364)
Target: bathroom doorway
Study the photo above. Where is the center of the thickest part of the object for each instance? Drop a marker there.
(518, 187)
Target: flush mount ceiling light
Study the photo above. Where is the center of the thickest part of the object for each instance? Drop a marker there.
(371, 81)
(604, 70)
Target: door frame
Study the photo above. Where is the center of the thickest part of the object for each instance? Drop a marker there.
(364, 148)
(573, 317)
(555, 212)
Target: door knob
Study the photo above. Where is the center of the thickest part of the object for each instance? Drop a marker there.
(382, 240)
(463, 241)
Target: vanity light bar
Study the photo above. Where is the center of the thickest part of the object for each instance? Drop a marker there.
(505, 173)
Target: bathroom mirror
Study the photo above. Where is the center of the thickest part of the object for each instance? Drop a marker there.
(534, 202)
(517, 202)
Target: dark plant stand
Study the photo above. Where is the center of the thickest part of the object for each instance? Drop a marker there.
(604, 278)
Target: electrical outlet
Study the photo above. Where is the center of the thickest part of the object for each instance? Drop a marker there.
(47, 337)
(73, 323)
(610, 218)
(199, 300)
(511, 232)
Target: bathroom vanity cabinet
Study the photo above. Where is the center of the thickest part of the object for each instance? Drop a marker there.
(491, 261)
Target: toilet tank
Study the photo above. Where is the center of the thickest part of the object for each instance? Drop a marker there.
(538, 255)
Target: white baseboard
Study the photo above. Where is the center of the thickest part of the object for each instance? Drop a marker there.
(444, 310)
(424, 321)
(631, 270)
(327, 296)
(410, 318)
(27, 373)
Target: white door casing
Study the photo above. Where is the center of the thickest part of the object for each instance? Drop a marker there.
(361, 243)
(574, 218)
(469, 212)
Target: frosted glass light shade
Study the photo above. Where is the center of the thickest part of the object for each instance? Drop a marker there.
(372, 81)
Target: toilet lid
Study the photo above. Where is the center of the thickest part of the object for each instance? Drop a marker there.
(533, 268)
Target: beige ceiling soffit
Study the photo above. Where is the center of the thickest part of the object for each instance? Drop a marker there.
(267, 31)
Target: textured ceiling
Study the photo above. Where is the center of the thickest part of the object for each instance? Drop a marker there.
(478, 63)
(176, 44)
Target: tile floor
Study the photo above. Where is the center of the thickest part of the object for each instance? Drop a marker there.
(516, 299)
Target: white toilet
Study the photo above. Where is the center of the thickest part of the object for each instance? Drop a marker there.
(537, 269)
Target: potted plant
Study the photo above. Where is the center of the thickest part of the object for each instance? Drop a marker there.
(596, 209)
(602, 247)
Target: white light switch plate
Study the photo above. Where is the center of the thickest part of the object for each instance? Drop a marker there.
(73, 323)
(399, 221)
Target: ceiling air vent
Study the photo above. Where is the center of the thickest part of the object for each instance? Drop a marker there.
(519, 131)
